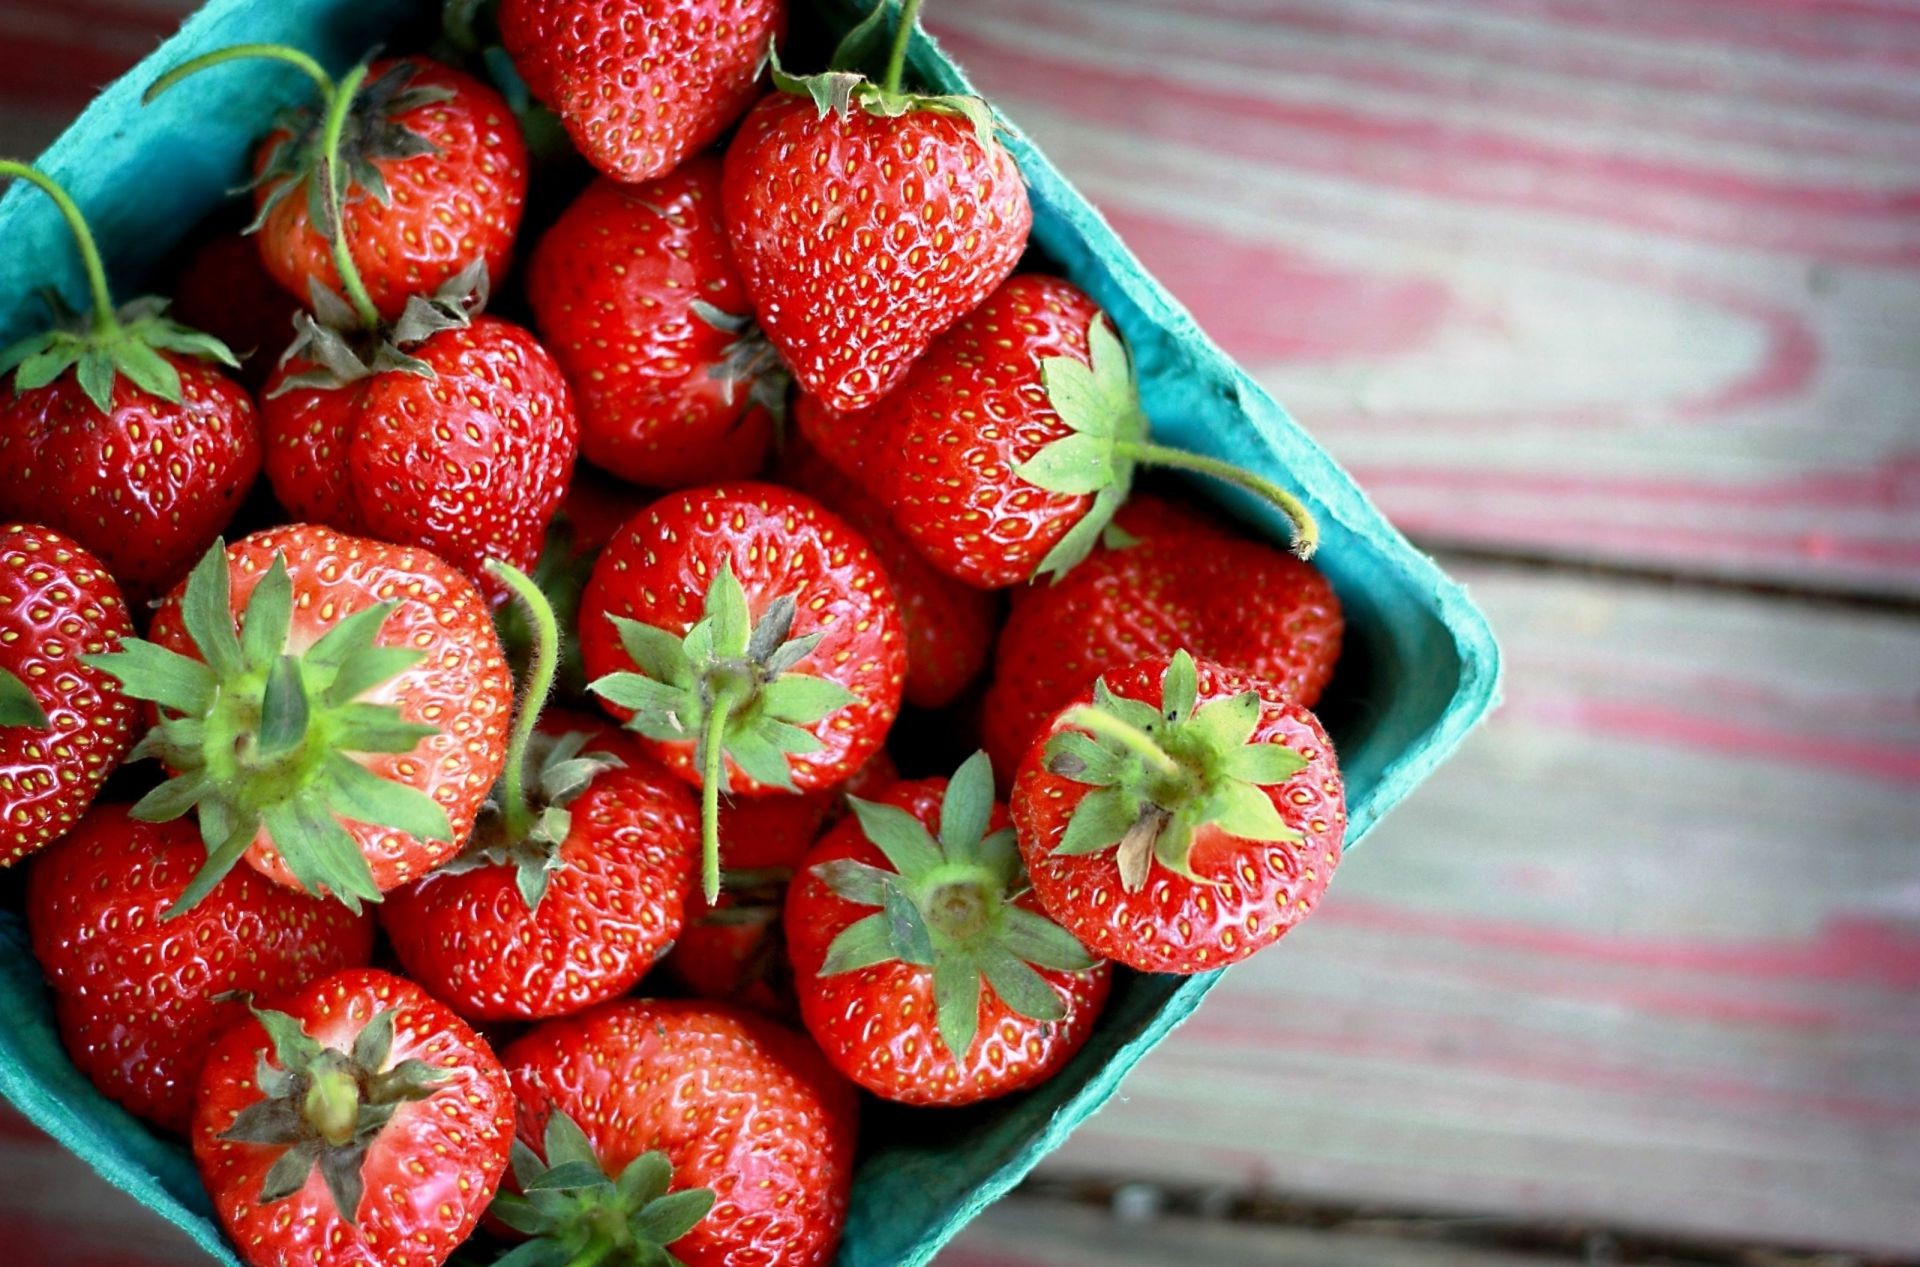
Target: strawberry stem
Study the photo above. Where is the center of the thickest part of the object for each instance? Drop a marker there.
(516, 808)
(713, 751)
(331, 132)
(1105, 725)
(897, 60)
(105, 324)
(1306, 532)
(272, 52)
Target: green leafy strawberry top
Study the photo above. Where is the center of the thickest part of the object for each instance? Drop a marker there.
(1160, 775)
(750, 359)
(326, 1106)
(842, 88)
(577, 1213)
(950, 905)
(107, 343)
(263, 737)
(337, 349)
(728, 686)
(18, 707)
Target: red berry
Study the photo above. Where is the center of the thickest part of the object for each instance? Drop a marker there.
(643, 84)
(1178, 817)
(64, 725)
(220, 286)
(140, 997)
(359, 1123)
(1022, 995)
(635, 290)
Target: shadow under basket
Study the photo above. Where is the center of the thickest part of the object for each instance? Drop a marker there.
(1420, 666)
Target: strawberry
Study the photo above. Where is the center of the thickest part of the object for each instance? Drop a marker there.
(866, 220)
(750, 637)
(635, 290)
(220, 286)
(1239, 602)
(949, 626)
(447, 431)
(738, 1119)
(407, 174)
(64, 725)
(575, 883)
(140, 997)
(845, 441)
(926, 969)
(1007, 451)
(119, 433)
(1180, 815)
(360, 1123)
(643, 85)
(333, 709)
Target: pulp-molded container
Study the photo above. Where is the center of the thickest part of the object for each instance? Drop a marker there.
(1420, 666)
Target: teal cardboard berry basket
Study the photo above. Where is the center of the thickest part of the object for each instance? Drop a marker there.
(1420, 668)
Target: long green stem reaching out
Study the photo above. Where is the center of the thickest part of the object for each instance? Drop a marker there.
(1306, 531)
(714, 751)
(516, 806)
(104, 321)
(1105, 725)
(897, 59)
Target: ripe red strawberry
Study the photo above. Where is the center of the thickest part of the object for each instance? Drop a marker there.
(866, 220)
(750, 637)
(432, 172)
(642, 85)
(345, 737)
(926, 969)
(1013, 442)
(220, 286)
(635, 290)
(949, 626)
(450, 431)
(572, 886)
(64, 725)
(360, 1123)
(846, 441)
(118, 432)
(140, 997)
(717, 1104)
(1238, 602)
(1180, 816)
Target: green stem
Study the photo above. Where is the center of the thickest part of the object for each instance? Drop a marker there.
(1105, 725)
(897, 60)
(332, 1105)
(335, 125)
(1306, 533)
(713, 747)
(272, 52)
(104, 322)
(516, 806)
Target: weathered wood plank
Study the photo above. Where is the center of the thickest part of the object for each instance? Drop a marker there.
(1624, 281)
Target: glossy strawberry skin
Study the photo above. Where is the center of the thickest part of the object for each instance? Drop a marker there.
(1257, 891)
(429, 1173)
(615, 904)
(471, 463)
(1239, 602)
(641, 85)
(447, 208)
(146, 487)
(950, 626)
(140, 997)
(57, 603)
(861, 239)
(462, 687)
(613, 284)
(878, 1025)
(738, 1104)
(779, 542)
(973, 409)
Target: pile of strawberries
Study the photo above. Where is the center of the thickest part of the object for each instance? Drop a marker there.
(776, 437)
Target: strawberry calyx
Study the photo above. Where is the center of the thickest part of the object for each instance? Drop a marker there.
(260, 735)
(18, 707)
(337, 349)
(326, 1106)
(109, 342)
(579, 1213)
(751, 359)
(1100, 403)
(841, 88)
(729, 687)
(949, 906)
(1161, 775)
